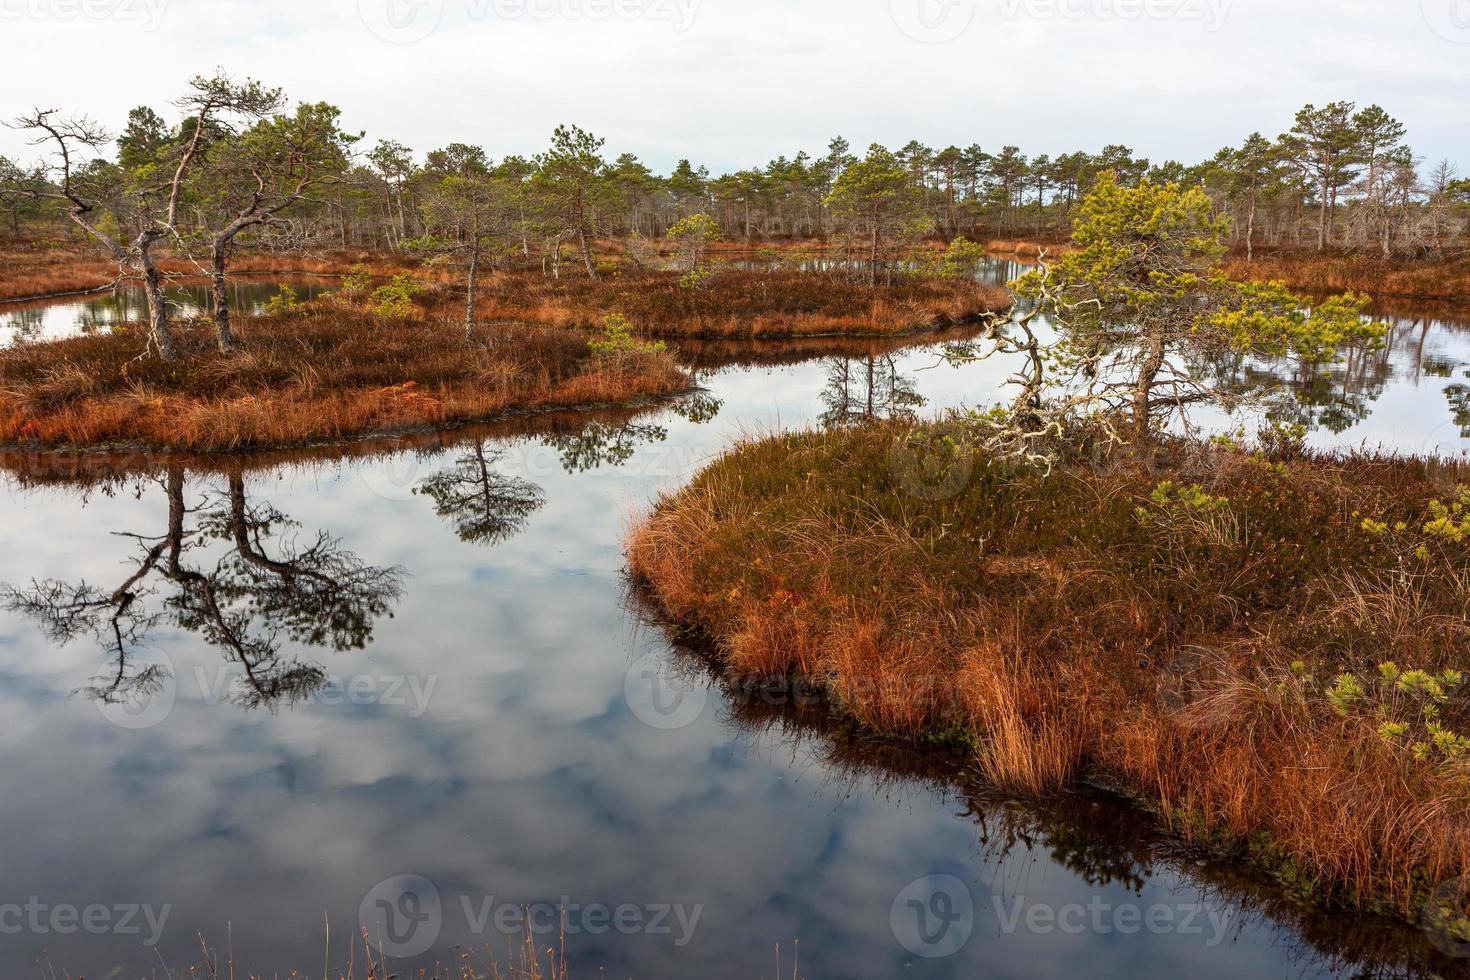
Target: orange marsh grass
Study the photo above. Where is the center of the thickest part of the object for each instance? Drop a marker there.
(1045, 624)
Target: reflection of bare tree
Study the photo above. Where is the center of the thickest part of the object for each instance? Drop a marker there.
(262, 588)
(118, 619)
(484, 506)
(867, 389)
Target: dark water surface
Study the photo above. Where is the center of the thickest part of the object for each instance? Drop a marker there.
(403, 685)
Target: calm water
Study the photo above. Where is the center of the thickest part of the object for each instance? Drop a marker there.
(52, 320)
(404, 686)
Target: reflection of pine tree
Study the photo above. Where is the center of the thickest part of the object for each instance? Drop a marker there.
(698, 408)
(264, 586)
(599, 444)
(867, 389)
(485, 507)
(1438, 366)
(1320, 397)
(24, 325)
(1458, 395)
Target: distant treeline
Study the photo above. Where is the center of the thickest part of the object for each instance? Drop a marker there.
(1339, 178)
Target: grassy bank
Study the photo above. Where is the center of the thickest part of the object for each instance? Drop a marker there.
(319, 374)
(96, 469)
(1261, 648)
(741, 304)
(1425, 279)
(31, 273)
(46, 271)
(1095, 834)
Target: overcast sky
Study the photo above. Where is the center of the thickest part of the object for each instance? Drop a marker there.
(731, 83)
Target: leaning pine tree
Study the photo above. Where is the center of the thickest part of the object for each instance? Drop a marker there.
(1144, 319)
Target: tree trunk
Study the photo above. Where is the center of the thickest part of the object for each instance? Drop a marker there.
(1322, 221)
(389, 226)
(469, 303)
(1148, 370)
(158, 326)
(1250, 229)
(586, 254)
(873, 252)
(223, 336)
(581, 216)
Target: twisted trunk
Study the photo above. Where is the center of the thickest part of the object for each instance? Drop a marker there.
(223, 336)
(158, 326)
(1148, 370)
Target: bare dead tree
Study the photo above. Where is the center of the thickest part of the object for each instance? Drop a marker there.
(70, 138)
(158, 204)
